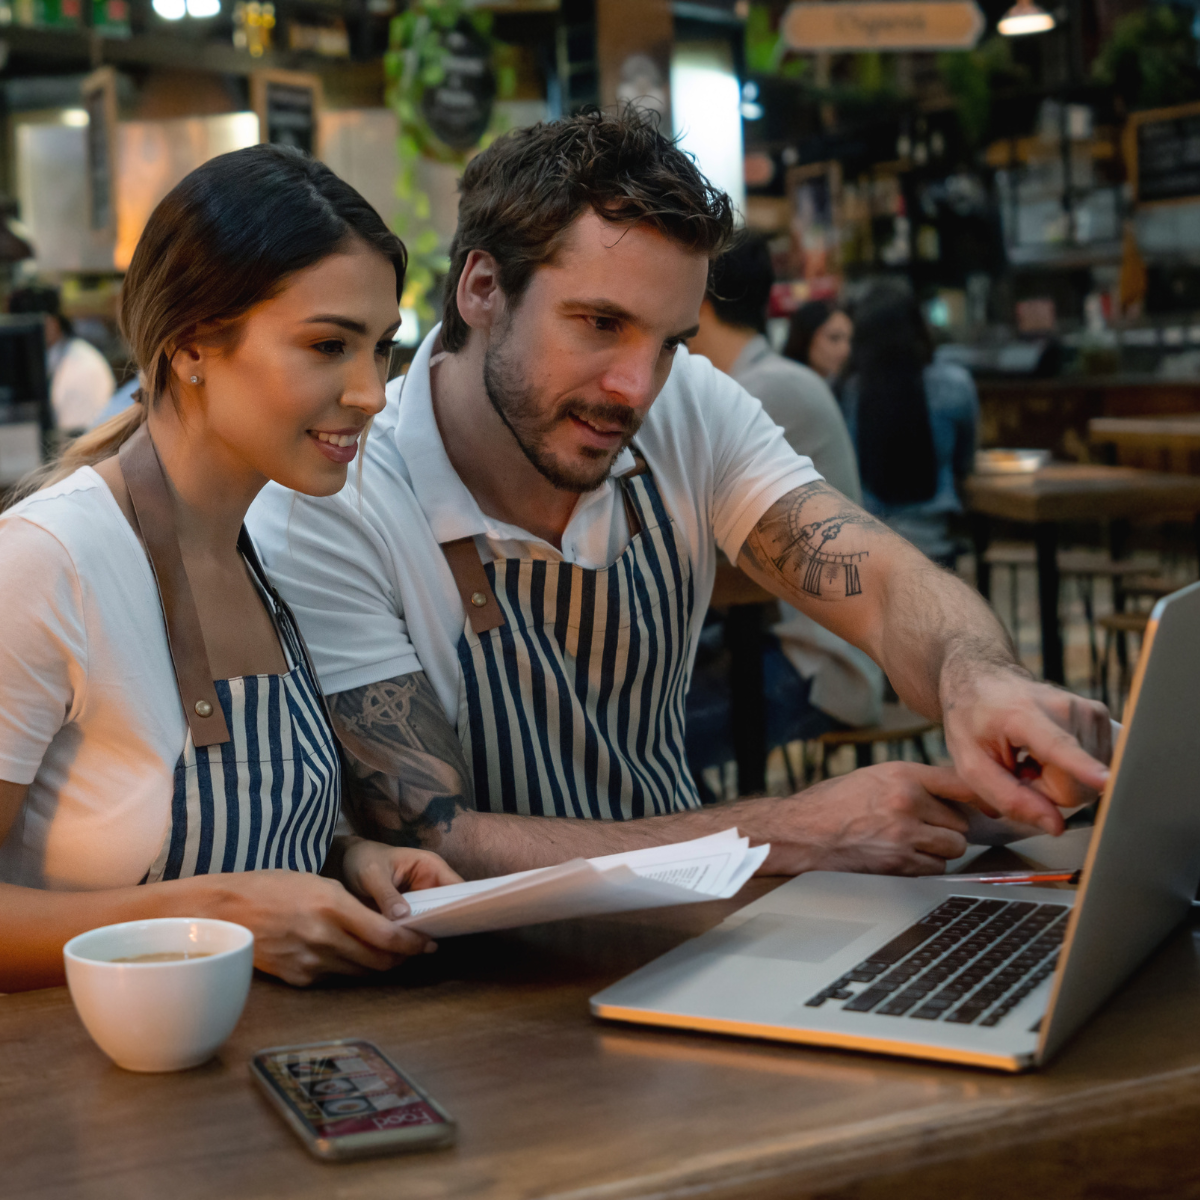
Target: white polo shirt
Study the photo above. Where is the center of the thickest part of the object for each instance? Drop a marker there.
(365, 574)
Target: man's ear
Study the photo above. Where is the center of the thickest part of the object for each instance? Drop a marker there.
(479, 297)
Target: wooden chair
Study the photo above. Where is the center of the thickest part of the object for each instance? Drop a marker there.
(1084, 567)
(1120, 626)
(897, 726)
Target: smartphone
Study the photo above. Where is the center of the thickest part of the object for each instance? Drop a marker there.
(346, 1099)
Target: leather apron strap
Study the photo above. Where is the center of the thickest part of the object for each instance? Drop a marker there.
(478, 599)
(152, 508)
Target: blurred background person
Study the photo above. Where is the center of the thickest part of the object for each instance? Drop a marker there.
(914, 422)
(819, 338)
(814, 681)
(81, 381)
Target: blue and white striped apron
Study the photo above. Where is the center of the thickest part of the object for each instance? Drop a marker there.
(268, 797)
(259, 781)
(572, 705)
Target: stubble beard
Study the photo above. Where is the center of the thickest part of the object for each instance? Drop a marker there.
(516, 403)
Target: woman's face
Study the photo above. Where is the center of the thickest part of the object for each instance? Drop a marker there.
(290, 396)
(830, 346)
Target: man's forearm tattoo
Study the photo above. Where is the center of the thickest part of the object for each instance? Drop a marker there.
(407, 777)
(807, 554)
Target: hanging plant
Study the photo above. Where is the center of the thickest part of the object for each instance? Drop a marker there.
(766, 51)
(1151, 58)
(971, 77)
(442, 81)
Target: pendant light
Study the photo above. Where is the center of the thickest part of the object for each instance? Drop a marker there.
(1025, 17)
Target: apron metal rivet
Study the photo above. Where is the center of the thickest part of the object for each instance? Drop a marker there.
(203, 708)
(478, 599)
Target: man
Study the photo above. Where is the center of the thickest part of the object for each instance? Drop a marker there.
(81, 381)
(534, 544)
(815, 681)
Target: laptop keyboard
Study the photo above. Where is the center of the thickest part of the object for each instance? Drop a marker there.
(970, 961)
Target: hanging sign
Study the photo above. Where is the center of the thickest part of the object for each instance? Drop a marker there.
(883, 25)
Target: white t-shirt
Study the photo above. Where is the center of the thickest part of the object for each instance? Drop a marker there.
(90, 714)
(367, 579)
(81, 383)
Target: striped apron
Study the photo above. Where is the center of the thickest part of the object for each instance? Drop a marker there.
(258, 783)
(573, 681)
(270, 795)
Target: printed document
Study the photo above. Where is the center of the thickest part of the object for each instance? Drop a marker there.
(707, 868)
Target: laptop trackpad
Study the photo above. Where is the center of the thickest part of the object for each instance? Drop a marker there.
(793, 939)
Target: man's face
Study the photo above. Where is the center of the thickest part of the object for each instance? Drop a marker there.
(574, 367)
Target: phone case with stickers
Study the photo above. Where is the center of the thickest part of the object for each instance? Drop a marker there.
(346, 1099)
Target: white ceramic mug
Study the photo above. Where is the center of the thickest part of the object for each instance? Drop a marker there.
(160, 1016)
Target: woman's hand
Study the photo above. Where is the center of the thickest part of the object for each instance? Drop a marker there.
(377, 874)
(306, 926)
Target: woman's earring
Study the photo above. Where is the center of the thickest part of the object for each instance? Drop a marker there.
(195, 378)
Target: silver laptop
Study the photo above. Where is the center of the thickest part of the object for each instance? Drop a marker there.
(968, 973)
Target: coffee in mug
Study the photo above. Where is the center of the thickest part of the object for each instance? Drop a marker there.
(165, 956)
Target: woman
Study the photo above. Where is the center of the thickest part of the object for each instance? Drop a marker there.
(819, 337)
(914, 422)
(260, 306)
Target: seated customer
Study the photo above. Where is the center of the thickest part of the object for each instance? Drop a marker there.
(815, 681)
(507, 615)
(914, 422)
(819, 338)
(164, 748)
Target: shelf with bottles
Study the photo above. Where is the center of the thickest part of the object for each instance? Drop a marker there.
(1060, 189)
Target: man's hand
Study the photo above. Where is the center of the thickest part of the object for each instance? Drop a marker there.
(1026, 748)
(883, 820)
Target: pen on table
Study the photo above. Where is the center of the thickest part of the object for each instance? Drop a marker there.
(1016, 877)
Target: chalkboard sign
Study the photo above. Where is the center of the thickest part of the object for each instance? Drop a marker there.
(1164, 149)
(288, 106)
(459, 108)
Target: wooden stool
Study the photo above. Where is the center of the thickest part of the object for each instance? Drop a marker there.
(1153, 586)
(1120, 625)
(897, 726)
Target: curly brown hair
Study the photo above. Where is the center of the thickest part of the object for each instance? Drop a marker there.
(520, 195)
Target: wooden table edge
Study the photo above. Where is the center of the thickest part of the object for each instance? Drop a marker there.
(824, 1159)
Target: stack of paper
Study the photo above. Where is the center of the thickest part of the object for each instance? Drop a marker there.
(707, 868)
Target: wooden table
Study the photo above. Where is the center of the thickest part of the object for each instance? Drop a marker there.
(1068, 492)
(1169, 443)
(552, 1103)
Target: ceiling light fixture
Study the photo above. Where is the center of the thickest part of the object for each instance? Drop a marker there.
(170, 10)
(1025, 17)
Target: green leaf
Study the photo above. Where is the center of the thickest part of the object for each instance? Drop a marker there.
(426, 241)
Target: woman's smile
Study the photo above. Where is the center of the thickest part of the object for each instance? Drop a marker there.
(338, 445)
